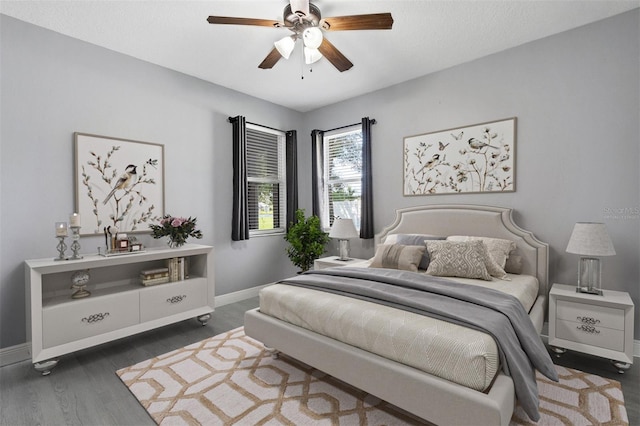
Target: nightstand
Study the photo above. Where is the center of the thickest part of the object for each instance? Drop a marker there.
(333, 261)
(592, 324)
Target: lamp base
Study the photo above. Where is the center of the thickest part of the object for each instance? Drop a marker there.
(589, 290)
(344, 250)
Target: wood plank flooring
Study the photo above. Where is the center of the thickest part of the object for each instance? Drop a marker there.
(84, 389)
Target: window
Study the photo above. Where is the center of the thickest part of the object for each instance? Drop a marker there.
(343, 174)
(266, 179)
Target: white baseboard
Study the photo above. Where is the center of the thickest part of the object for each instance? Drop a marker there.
(14, 354)
(237, 296)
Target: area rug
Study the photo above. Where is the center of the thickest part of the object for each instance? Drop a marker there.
(230, 379)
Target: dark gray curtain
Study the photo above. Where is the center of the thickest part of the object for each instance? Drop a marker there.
(317, 174)
(240, 218)
(366, 212)
(292, 176)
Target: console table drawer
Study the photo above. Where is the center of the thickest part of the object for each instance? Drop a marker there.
(590, 335)
(88, 317)
(173, 298)
(598, 316)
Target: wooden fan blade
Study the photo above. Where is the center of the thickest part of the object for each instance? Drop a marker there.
(373, 21)
(230, 20)
(334, 56)
(272, 58)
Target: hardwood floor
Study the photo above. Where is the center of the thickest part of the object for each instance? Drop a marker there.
(84, 389)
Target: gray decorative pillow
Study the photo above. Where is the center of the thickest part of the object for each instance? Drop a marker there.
(514, 264)
(396, 256)
(418, 240)
(465, 259)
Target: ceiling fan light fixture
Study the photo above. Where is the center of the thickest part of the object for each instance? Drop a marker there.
(285, 46)
(311, 55)
(312, 37)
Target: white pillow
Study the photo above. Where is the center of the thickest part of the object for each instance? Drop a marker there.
(498, 248)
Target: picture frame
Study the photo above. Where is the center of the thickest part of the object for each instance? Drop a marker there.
(478, 158)
(135, 203)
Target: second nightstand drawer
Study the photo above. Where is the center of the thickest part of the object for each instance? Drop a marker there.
(590, 335)
(598, 316)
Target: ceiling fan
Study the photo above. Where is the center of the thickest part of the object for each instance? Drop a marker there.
(304, 20)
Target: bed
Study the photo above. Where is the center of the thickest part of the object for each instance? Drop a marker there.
(425, 394)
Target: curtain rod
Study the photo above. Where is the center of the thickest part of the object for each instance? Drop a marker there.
(373, 121)
(230, 120)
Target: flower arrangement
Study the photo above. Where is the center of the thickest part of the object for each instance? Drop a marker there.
(178, 229)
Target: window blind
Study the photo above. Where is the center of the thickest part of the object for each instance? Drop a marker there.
(343, 168)
(266, 179)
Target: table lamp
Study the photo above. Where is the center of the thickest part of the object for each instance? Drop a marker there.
(343, 230)
(590, 240)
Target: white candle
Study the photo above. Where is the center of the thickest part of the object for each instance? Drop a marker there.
(61, 229)
(74, 219)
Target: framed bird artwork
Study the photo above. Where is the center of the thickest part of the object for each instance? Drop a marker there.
(473, 159)
(119, 184)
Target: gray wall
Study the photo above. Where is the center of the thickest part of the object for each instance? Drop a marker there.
(52, 86)
(576, 96)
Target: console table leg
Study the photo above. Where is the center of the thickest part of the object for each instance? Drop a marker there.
(558, 351)
(621, 366)
(204, 319)
(46, 366)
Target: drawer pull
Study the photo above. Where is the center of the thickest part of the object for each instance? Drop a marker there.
(176, 299)
(95, 318)
(588, 329)
(588, 320)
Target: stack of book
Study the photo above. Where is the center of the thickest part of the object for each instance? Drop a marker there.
(154, 276)
(178, 269)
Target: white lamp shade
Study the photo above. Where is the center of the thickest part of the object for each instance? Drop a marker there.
(285, 46)
(343, 229)
(590, 239)
(311, 55)
(312, 37)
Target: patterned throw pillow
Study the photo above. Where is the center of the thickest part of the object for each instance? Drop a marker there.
(396, 256)
(465, 259)
(418, 240)
(499, 249)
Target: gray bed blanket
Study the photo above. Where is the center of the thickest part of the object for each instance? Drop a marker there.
(498, 314)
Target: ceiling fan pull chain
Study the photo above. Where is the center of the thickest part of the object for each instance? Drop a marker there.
(302, 64)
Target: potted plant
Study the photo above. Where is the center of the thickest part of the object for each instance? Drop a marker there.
(306, 240)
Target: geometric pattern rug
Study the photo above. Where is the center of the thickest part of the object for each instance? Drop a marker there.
(230, 379)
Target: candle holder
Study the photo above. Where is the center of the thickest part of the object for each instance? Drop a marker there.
(62, 247)
(75, 245)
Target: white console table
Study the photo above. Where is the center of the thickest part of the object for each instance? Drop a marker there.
(118, 306)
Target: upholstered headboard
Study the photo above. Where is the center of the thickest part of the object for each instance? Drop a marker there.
(474, 220)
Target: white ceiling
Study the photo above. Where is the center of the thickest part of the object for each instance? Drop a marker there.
(427, 36)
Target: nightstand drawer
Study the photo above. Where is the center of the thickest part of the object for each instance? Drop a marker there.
(590, 335)
(598, 316)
